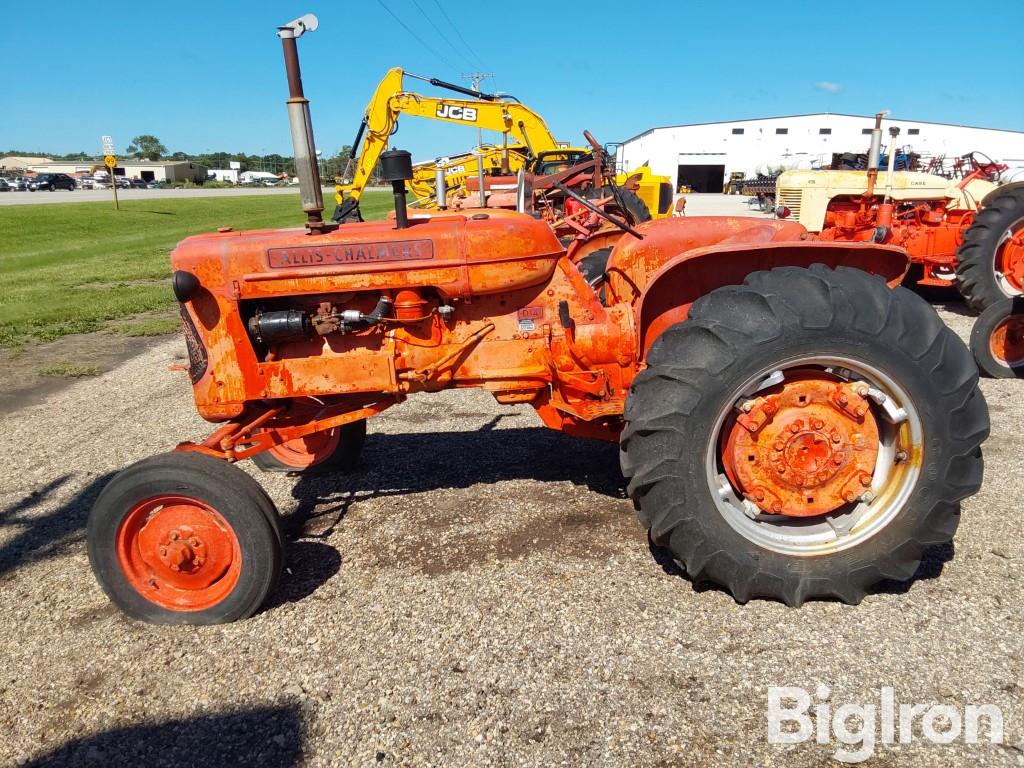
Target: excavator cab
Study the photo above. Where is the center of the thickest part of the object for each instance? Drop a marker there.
(558, 160)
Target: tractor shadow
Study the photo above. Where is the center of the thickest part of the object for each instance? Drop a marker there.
(270, 736)
(402, 464)
(47, 535)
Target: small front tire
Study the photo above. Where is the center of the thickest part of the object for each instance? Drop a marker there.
(334, 450)
(997, 339)
(183, 538)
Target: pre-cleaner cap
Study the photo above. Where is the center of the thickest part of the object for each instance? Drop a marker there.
(395, 165)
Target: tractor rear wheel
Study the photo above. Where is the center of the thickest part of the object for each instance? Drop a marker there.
(334, 450)
(806, 434)
(990, 262)
(183, 538)
(997, 340)
(635, 206)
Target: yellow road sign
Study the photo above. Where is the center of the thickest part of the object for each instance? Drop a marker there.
(110, 161)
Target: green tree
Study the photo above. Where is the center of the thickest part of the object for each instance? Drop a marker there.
(146, 147)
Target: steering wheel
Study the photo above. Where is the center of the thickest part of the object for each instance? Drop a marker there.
(603, 214)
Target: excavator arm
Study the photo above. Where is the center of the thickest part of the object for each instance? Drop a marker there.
(390, 100)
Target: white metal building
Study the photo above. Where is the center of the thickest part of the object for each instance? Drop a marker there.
(147, 170)
(704, 155)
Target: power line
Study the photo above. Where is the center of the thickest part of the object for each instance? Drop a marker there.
(444, 37)
(419, 39)
(459, 34)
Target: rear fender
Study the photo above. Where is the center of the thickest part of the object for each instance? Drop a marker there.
(673, 288)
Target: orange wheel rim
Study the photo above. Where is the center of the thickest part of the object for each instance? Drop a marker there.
(178, 553)
(1010, 259)
(1007, 342)
(307, 451)
(807, 448)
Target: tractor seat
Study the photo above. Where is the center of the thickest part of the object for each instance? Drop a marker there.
(593, 267)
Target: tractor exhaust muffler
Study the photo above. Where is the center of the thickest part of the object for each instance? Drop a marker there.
(301, 125)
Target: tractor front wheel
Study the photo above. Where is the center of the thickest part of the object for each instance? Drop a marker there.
(806, 434)
(183, 538)
(990, 262)
(997, 339)
(334, 450)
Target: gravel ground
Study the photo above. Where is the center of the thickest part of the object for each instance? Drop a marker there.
(479, 592)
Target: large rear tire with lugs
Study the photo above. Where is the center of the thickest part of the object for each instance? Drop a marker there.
(183, 538)
(804, 435)
(990, 261)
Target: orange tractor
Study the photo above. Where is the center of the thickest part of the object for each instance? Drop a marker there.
(791, 425)
(926, 214)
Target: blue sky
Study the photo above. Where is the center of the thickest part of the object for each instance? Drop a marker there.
(208, 75)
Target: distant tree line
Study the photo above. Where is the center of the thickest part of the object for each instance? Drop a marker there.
(149, 147)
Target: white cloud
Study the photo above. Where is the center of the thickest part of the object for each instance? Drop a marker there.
(828, 87)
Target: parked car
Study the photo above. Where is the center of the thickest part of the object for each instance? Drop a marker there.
(136, 184)
(86, 182)
(18, 183)
(122, 182)
(52, 182)
(4, 185)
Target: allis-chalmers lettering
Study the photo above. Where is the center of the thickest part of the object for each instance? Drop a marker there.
(370, 253)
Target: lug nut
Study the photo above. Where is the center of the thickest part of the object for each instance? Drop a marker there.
(174, 535)
(194, 542)
(779, 445)
(817, 423)
(843, 399)
(865, 479)
(759, 495)
(163, 551)
(901, 455)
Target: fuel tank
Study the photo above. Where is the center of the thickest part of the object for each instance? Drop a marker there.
(461, 255)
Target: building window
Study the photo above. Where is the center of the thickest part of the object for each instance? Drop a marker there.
(737, 131)
(913, 131)
(866, 131)
(781, 131)
(825, 131)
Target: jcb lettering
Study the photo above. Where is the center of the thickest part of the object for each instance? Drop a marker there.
(455, 112)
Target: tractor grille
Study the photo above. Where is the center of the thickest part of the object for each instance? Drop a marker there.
(791, 198)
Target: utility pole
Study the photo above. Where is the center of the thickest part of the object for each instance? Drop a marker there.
(476, 78)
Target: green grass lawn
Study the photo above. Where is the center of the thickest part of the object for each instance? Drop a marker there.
(73, 268)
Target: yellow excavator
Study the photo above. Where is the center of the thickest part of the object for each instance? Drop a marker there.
(532, 147)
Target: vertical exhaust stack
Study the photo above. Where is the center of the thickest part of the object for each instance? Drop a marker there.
(874, 154)
(301, 124)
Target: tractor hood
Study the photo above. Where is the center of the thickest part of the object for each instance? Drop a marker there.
(459, 255)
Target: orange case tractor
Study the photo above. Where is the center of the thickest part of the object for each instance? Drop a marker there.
(923, 213)
(789, 424)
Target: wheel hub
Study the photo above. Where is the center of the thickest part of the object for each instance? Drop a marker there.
(178, 552)
(1007, 341)
(1010, 259)
(804, 448)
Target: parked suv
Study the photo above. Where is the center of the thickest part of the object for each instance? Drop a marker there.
(52, 182)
